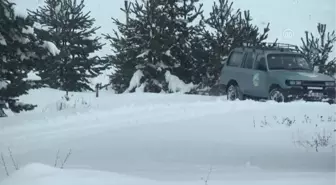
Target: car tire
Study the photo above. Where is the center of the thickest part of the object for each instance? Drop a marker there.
(277, 95)
(233, 93)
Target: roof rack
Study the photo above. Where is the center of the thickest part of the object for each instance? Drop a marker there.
(272, 46)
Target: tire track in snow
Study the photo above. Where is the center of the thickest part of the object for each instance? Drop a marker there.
(62, 129)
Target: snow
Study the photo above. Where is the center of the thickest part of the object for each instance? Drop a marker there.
(40, 26)
(39, 174)
(168, 53)
(28, 30)
(3, 40)
(144, 138)
(177, 85)
(143, 54)
(135, 80)
(51, 47)
(32, 76)
(3, 84)
(168, 138)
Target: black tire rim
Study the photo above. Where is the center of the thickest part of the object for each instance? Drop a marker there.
(277, 96)
(232, 93)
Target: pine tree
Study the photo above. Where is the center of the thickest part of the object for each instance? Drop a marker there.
(72, 31)
(231, 29)
(155, 43)
(317, 50)
(19, 52)
(126, 43)
(187, 24)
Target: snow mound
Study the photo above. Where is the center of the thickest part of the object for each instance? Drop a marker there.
(177, 85)
(135, 81)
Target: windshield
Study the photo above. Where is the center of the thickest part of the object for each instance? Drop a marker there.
(287, 61)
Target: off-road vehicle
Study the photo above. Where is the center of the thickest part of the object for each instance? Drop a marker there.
(273, 72)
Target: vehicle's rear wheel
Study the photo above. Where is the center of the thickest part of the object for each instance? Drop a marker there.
(277, 95)
(234, 93)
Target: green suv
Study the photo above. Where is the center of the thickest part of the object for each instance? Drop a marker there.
(273, 72)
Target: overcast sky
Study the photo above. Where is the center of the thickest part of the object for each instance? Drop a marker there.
(289, 18)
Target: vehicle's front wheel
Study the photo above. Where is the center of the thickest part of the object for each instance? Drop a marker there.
(234, 93)
(277, 95)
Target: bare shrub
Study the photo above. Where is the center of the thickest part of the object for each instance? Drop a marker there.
(64, 161)
(206, 179)
(319, 140)
(285, 121)
(5, 165)
(16, 166)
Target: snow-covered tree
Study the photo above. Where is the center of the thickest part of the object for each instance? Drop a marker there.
(65, 24)
(317, 50)
(155, 44)
(187, 24)
(19, 52)
(126, 46)
(229, 29)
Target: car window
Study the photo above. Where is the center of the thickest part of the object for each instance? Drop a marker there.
(260, 63)
(249, 60)
(236, 59)
(287, 61)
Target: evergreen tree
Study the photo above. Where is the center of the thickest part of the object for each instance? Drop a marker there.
(317, 50)
(127, 42)
(19, 52)
(230, 29)
(183, 17)
(72, 31)
(157, 43)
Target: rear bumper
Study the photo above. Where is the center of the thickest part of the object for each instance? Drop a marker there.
(324, 94)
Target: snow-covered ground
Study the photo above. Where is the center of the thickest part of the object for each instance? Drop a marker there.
(167, 139)
(37, 174)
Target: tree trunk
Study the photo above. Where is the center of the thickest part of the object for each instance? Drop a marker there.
(97, 90)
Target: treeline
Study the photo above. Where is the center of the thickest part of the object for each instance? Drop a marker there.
(161, 46)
